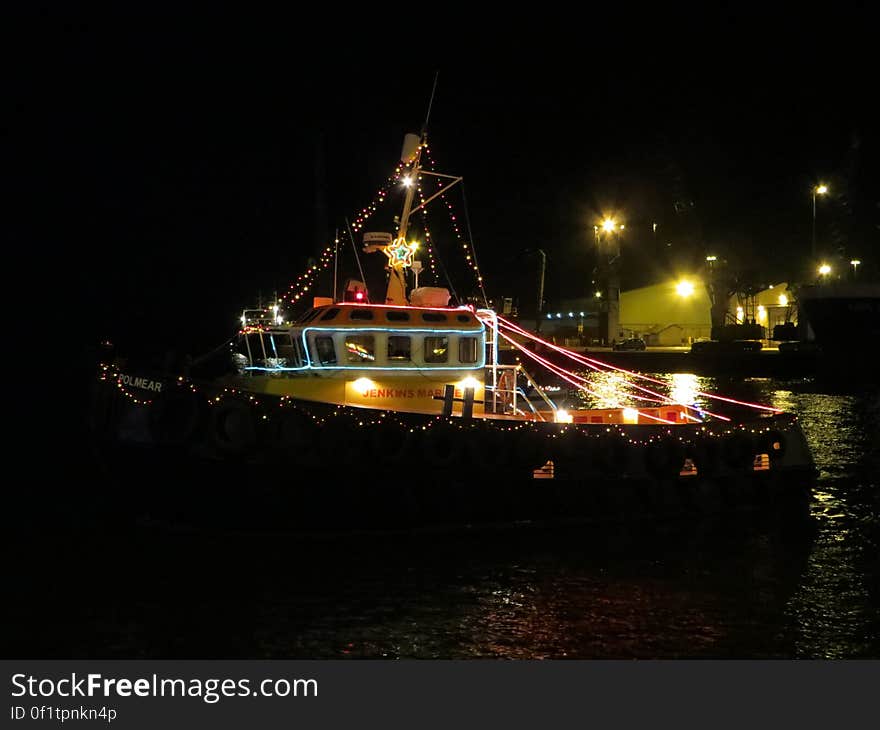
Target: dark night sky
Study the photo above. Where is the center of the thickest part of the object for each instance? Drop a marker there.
(168, 168)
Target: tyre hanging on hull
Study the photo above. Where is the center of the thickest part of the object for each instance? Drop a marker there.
(292, 436)
(234, 427)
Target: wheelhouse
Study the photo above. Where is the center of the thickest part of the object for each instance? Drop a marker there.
(342, 337)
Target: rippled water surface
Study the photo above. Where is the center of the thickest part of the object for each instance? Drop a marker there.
(723, 589)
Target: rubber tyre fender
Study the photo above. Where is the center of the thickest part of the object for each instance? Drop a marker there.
(234, 427)
(772, 443)
(441, 446)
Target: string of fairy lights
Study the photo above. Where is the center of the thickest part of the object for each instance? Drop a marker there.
(467, 247)
(263, 408)
(305, 282)
(429, 244)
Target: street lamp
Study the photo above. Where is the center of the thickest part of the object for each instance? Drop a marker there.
(818, 190)
(824, 270)
(684, 288)
(854, 263)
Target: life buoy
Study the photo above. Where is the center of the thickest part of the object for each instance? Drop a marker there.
(772, 443)
(504, 389)
(175, 416)
(234, 426)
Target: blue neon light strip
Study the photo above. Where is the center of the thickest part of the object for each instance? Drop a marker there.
(368, 367)
(310, 366)
(400, 331)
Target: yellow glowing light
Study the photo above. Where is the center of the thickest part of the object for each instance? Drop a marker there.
(824, 269)
(684, 388)
(711, 258)
(783, 300)
(363, 385)
(762, 313)
(739, 314)
(608, 225)
(563, 416)
(855, 262)
(822, 189)
(684, 288)
(469, 382)
(407, 181)
(630, 415)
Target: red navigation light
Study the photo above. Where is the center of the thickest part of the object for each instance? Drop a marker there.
(359, 295)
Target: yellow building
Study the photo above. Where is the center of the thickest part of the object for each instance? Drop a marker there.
(678, 311)
(667, 313)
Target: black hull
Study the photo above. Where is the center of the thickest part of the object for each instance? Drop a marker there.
(313, 468)
(842, 317)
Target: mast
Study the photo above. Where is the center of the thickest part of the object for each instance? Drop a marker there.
(413, 178)
(400, 253)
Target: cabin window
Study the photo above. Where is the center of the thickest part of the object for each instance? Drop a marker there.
(325, 350)
(360, 348)
(399, 347)
(330, 314)
(298, 358)
(361, 314)
(462, 318)
(258, 351)
(395, 315)
(467, 349)
(436, 349)
(309, 316)
(434, 317)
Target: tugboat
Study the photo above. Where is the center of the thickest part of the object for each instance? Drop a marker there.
(401, 414)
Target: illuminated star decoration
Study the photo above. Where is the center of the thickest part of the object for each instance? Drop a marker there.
(400, 253)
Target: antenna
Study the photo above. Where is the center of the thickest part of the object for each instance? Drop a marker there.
(354, 248)
(430, 104)
(335, 262)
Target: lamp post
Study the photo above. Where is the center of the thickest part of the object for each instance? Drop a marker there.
(855, 263)
(608, 263)
(817, 190)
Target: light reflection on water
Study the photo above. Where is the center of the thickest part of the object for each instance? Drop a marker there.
(722, 589)
(618, 390)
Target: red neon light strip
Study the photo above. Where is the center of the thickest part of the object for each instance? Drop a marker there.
(586, 361)
(660, 398)
(565, 373)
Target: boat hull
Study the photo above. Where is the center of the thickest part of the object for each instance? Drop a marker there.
(199, 457)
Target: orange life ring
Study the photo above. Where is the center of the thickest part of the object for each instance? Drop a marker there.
(504, 388)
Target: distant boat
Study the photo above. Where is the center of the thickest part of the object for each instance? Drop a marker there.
(841, 314)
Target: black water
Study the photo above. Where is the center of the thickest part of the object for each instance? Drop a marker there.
(83, 583)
